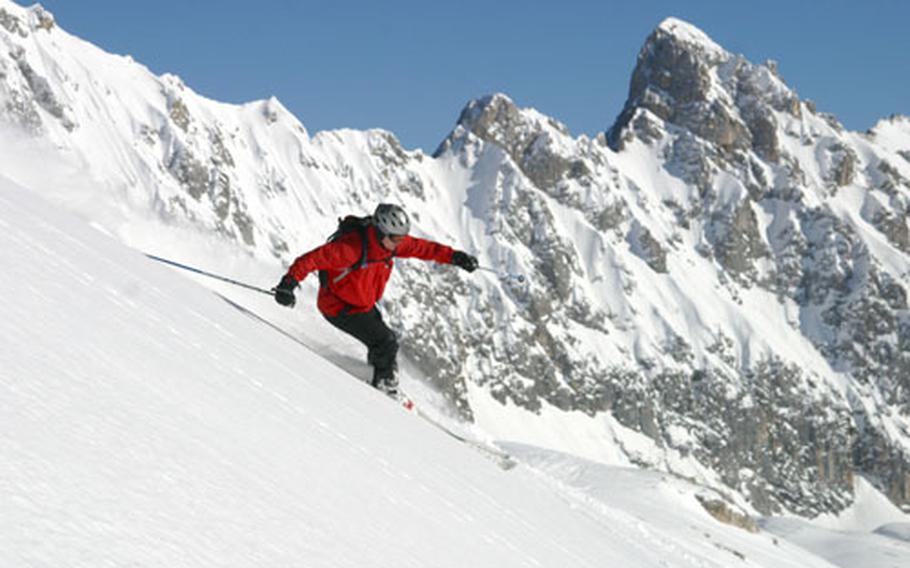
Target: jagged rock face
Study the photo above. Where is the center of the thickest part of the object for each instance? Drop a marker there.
(649, 249)
(728, 129)
(740, 244)
(726, 279)
(718, 116)
(685, 79)
(497, 120)
(796, 455)
(23, 90)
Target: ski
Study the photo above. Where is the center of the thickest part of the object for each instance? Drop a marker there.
(498, 456)
(406, 402)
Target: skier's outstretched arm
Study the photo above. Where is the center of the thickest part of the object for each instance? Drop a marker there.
(424, 249)
(330, 256)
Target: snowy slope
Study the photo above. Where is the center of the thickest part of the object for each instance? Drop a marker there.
(146, 421)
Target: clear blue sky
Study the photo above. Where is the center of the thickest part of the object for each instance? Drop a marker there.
(410, 67)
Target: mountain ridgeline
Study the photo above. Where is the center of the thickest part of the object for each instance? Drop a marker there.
(723, 272)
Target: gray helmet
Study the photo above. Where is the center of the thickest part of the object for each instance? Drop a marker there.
(391, 219)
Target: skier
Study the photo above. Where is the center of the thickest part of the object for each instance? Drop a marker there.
(354, 267)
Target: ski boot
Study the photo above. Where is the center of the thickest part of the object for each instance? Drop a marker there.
(387, 383)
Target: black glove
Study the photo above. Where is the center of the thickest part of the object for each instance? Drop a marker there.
(284, 292)
(464, 260)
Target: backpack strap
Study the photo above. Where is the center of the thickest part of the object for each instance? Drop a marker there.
(364, 245)
(347, 225)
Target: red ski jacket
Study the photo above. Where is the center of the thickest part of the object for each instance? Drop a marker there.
(359, 290)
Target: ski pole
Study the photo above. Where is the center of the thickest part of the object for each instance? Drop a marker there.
(210, 275)
(520, 278)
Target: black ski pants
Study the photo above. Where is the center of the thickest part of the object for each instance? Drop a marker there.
(379, 339)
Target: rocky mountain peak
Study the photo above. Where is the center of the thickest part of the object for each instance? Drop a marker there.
(685, 36)
(673, 69)
(498, 120)
(537, 143)
(21, 21)
(683, 78)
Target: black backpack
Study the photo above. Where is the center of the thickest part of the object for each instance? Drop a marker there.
(347, 225)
